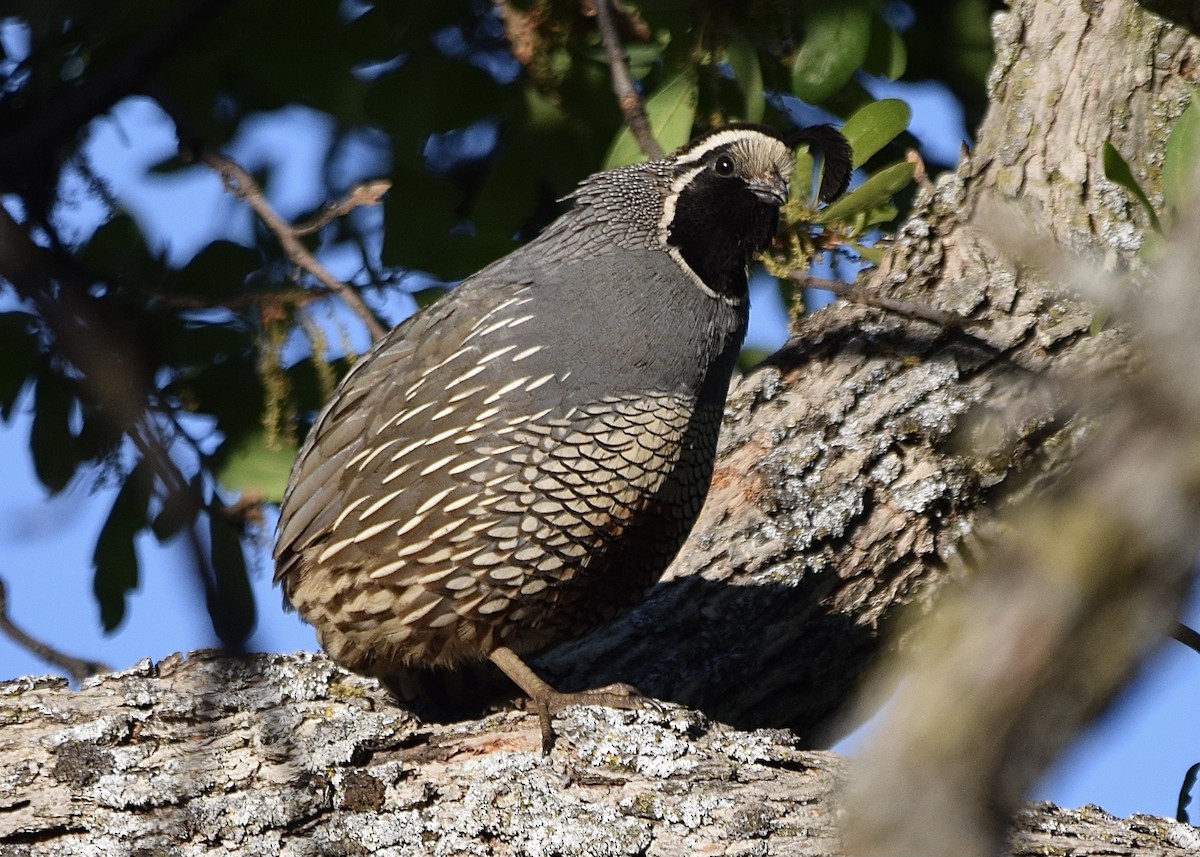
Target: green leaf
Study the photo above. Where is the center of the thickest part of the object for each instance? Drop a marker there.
(884, 213)
(801, 185)
(1117, 170)
(253, 465)
(179, 509)
(873, 254)
(1180, 171)
(835, 44)
(887, 56)
(117, 251)
(671, 112)
(20, 357)
(115, 557)
(230, 603)
(873, 126)
(743, 59)
(218, 271)
(50, 440)
(643, 57)
(875, 191)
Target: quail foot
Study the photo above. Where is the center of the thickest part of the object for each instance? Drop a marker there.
(518, 463)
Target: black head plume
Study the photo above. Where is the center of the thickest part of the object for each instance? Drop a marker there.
(835, 150)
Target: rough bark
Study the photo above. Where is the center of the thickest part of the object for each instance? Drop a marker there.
(288, 755)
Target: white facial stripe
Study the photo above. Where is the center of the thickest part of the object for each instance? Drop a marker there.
(687, 269)
(759, 152)
(664, 225)
(668, 214)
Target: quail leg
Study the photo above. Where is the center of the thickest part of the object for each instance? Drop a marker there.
(549, 701)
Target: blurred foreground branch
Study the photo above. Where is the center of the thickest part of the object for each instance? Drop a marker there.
(113, 375)
(1080, 583)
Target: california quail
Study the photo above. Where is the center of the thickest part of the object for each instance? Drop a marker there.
(519, 462)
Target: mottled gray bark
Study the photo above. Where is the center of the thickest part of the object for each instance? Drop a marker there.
(288, 755)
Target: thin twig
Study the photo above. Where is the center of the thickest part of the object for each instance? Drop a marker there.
(1186, 635)
(77, 668)
(920, 174)
(627, 95)
(859, 295)
(364, 194)
(242, 185)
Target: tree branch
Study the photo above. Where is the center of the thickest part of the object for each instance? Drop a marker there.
(288, 755)
(77, 668)
(242, 185)
(363, 194)
(1078, 584)
(629, 99)
(859, 294)
(1188, 636)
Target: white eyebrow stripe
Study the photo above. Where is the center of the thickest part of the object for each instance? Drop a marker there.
(716, 141)
(755, 146)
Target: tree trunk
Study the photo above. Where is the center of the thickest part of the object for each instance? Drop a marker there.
(861, 468)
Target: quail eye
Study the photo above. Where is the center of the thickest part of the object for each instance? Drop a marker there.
(723, 166)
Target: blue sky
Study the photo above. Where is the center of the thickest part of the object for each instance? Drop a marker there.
(1132, 762)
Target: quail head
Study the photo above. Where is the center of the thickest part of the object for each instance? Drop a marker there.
(519, 462)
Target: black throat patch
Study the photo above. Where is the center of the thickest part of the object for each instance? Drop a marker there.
(718, 226)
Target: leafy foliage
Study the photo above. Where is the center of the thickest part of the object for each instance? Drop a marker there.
(170, 379)
(1180, 175)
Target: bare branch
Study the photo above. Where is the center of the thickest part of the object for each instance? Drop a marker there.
(869, 297)
(363, 194)
(77, 668)
(1186, 635)
(322, 759)
(242, 185)
(627, 95)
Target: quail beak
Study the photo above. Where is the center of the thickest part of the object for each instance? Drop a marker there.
(771, 189)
